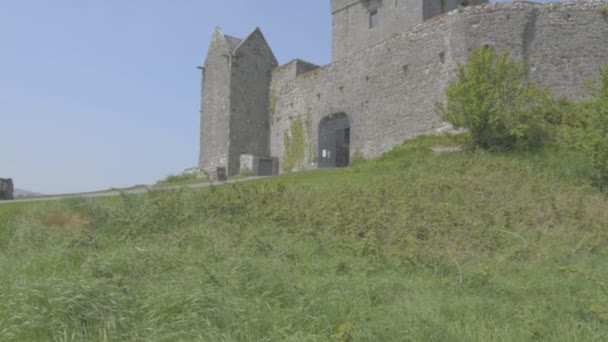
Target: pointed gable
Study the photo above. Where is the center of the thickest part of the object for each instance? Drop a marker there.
(218, 45)
(232, 42)
(257, 37)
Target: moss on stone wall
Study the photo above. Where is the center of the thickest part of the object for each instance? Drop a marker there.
(310, 73)
(273, 103)
(603, 9)
(298, 143)
(312, 156)
(294, 145)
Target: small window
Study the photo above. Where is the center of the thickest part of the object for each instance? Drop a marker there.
(373, 19)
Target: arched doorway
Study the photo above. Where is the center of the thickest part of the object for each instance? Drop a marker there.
(334, 141)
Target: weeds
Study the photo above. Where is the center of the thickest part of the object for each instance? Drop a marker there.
(186, 177)
(603, 10)
(583, 127)
(413, 246)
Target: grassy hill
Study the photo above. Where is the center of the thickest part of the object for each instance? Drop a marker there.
(413, 246)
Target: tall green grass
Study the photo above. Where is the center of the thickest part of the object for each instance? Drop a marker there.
(188, 176)
(414, 246)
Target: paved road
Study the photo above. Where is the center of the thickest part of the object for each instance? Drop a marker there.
(112, 193)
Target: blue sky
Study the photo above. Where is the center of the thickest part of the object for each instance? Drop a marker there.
(98, 94)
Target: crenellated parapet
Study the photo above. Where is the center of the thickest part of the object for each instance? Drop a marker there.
(359, 24)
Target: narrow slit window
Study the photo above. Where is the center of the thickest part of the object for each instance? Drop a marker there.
(374, 19)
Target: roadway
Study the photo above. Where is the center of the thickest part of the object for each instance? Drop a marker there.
(113, 193)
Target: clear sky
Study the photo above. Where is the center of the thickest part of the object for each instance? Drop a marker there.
(105, 93)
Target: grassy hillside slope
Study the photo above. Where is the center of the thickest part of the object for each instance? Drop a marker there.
(414, 246)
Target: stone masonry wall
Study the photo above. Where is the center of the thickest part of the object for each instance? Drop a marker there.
(351, 31)
(433, 8)
(389, 90)
(351, 20)
(252, 66)
(564, 43)
(215, 106)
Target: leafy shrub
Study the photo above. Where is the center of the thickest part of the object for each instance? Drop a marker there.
(490, 98)
(600, 147)
(584, 127)
(599, 159)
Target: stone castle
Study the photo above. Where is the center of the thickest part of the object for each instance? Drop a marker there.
(391, 60)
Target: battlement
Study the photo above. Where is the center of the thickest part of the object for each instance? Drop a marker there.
(358, 24)
(292, 69)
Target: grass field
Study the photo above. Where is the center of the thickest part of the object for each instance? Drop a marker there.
(413, 246)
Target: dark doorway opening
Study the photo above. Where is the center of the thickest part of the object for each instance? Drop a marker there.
(334, 141)
(265, 167)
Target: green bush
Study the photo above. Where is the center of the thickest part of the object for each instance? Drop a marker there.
(600, 147)
(584, 127)
(491, 99)
(599, 159)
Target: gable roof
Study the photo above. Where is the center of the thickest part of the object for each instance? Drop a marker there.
(233, 42)
(257, 32)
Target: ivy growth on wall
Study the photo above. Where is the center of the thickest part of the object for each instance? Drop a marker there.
(298, 143)
(273, 103)
(603, 9)
(294, 144)
(312, 156)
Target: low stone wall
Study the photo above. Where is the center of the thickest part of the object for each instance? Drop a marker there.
(258, 166)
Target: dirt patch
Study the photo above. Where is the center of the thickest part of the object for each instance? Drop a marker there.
(446, 149)
(59, 219)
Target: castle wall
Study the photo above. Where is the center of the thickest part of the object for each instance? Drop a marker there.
(351, 20)
(252, 65)
(302, 67)
(389, 90)
(564, 43)
(432, 8)
(215, 106)
(291, 69)
(351, 29)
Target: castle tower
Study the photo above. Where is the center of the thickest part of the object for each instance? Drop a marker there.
(235, 118)
(359, 24)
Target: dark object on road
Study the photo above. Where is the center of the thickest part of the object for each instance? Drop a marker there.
(6, 189)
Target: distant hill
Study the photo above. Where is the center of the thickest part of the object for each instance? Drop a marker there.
(21, 192)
